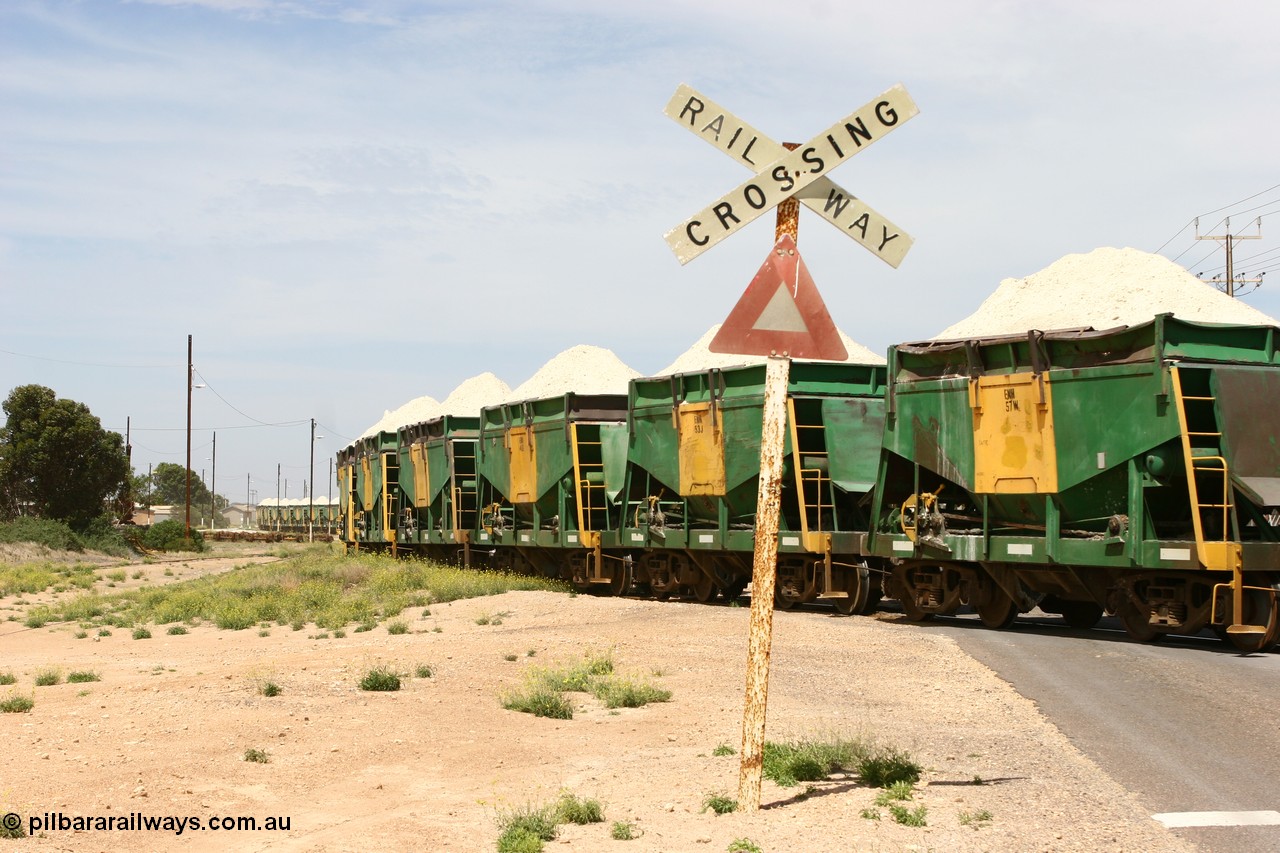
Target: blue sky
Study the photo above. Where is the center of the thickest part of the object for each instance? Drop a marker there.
(351, 203)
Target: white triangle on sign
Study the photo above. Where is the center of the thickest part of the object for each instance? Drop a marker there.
(781, 314)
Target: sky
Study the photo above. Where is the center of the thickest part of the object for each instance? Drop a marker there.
(348, 204)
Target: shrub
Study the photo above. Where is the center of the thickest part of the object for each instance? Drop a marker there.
(622, 831)
(541, 701)
(570, 809)
(176, 630)
(257, 756)
(54, 535)
(380, 679)
(82, 677)
(743, 845)
(526, 830)
(8, 678)
(423, 671)
(881, 769)
(909, 817)
(618, 693)
(48, 677)
(170, 535)
(807, 760)
(16, 703)
(13, 829)
(399, 626)
(720, 804)
(141, 634)
(722, 750)
(269, 689)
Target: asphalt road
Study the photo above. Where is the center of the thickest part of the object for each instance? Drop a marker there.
(1188, 725)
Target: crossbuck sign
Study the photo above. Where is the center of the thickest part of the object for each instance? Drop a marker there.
(800, 173)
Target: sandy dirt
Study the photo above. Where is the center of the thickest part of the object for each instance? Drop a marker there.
(431, 767)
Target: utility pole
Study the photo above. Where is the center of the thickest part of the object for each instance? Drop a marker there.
(311, 500)
(213, 484)
(189, 372)
(1229, 240)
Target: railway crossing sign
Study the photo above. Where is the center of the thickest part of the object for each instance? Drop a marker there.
(781, 313)
(799, 174)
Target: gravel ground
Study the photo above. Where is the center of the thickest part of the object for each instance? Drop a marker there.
(432, 766)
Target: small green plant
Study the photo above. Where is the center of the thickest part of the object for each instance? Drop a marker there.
(743, 845)
(620, 693)
(526, 830)
(870, 814)
(176, 630)
(437, 630)
(141, 634)
(909, 817)
(257, 756)
(339, 634)
(881, 769)
(539, 700)
(264, 632)
(8, 678)
(137, 575)
(723, 750)
(380, 679)
(116, 576)
(48, 677)
(900, 790)
(82, 676)
(423, 670)
(104, 632)
(570, 809)
(398, 626)
(510, 657)
(81, 634)
(807, 760)
(363, 627)
(623, 831)
(269, 689)
(976, 819)
(16, 703)
(719, 803)
(531, 653)
(13, 828)
(298, 625)
(978, 780)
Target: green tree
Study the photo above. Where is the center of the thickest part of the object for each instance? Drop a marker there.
(169, 486)
(56, 460)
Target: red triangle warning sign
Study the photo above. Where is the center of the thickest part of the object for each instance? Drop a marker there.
(781, 313)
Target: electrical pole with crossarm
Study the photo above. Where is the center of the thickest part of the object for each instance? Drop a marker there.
(1229, 240)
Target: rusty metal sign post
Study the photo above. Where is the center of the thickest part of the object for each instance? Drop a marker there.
(763, 580)
(785, 177)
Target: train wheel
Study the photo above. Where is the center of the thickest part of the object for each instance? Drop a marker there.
(1259, 609)
(783, 601)
(1137, 623)
(620, 583)
(995, 608)
(857, 583)
(1081, 614)
(705, 589)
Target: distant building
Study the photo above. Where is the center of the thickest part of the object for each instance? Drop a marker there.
(240, 515)
(156, 514)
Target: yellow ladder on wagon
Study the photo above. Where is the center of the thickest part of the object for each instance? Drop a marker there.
(1208, 473)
